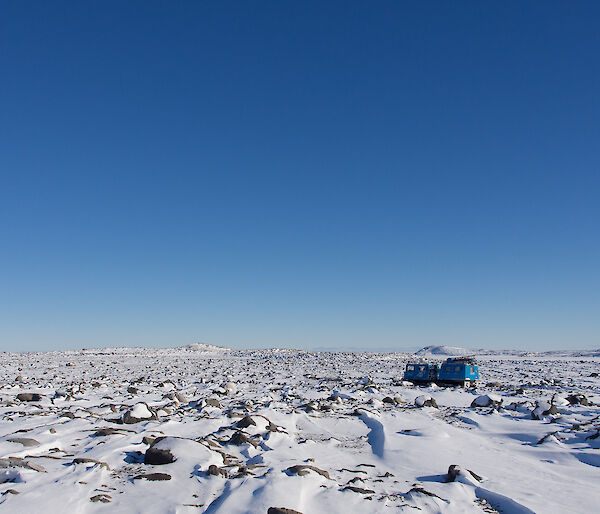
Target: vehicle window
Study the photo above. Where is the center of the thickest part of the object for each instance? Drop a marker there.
(457, 368)
(421, 368)
(410, 368)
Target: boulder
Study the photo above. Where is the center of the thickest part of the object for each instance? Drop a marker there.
(425, 401)
(578, 399)
(140, 412)
(456, 473)
(212, 402)
(282, 510)
(487, 400)
(543, 409)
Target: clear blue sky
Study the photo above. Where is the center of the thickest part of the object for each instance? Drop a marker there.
(306, 174)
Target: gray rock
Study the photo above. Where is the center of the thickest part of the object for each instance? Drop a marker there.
(85, 460)
(25, 441)
(29, 397)
(282, 510)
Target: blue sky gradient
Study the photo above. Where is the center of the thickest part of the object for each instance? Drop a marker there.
(307, 174)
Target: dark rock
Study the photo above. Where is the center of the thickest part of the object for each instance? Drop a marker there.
(104, 498)
(102, 432)
(153, 477)
(282, 510)
(358, 489)
(29, 397)
(217, 471)
(454, 471)
(389, 399)
(158, 457)
(578, 399)
(245, 422)
(420, 490)
(305, 469)
(132, 390)
(213, 402)
(239, 438)
(148, 440)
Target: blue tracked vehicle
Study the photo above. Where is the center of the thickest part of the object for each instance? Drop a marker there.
(461, 371)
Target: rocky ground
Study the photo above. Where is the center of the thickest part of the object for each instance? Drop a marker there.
(200, 429)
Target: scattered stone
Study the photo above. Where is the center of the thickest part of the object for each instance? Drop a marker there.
(212, 402)
(132, 390)
(282, 510)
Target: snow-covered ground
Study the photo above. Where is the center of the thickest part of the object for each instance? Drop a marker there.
(205, 429)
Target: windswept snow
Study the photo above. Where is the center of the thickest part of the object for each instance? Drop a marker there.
(204, 429)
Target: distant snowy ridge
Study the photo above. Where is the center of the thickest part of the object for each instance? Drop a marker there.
(203, 347)
(444, 350)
